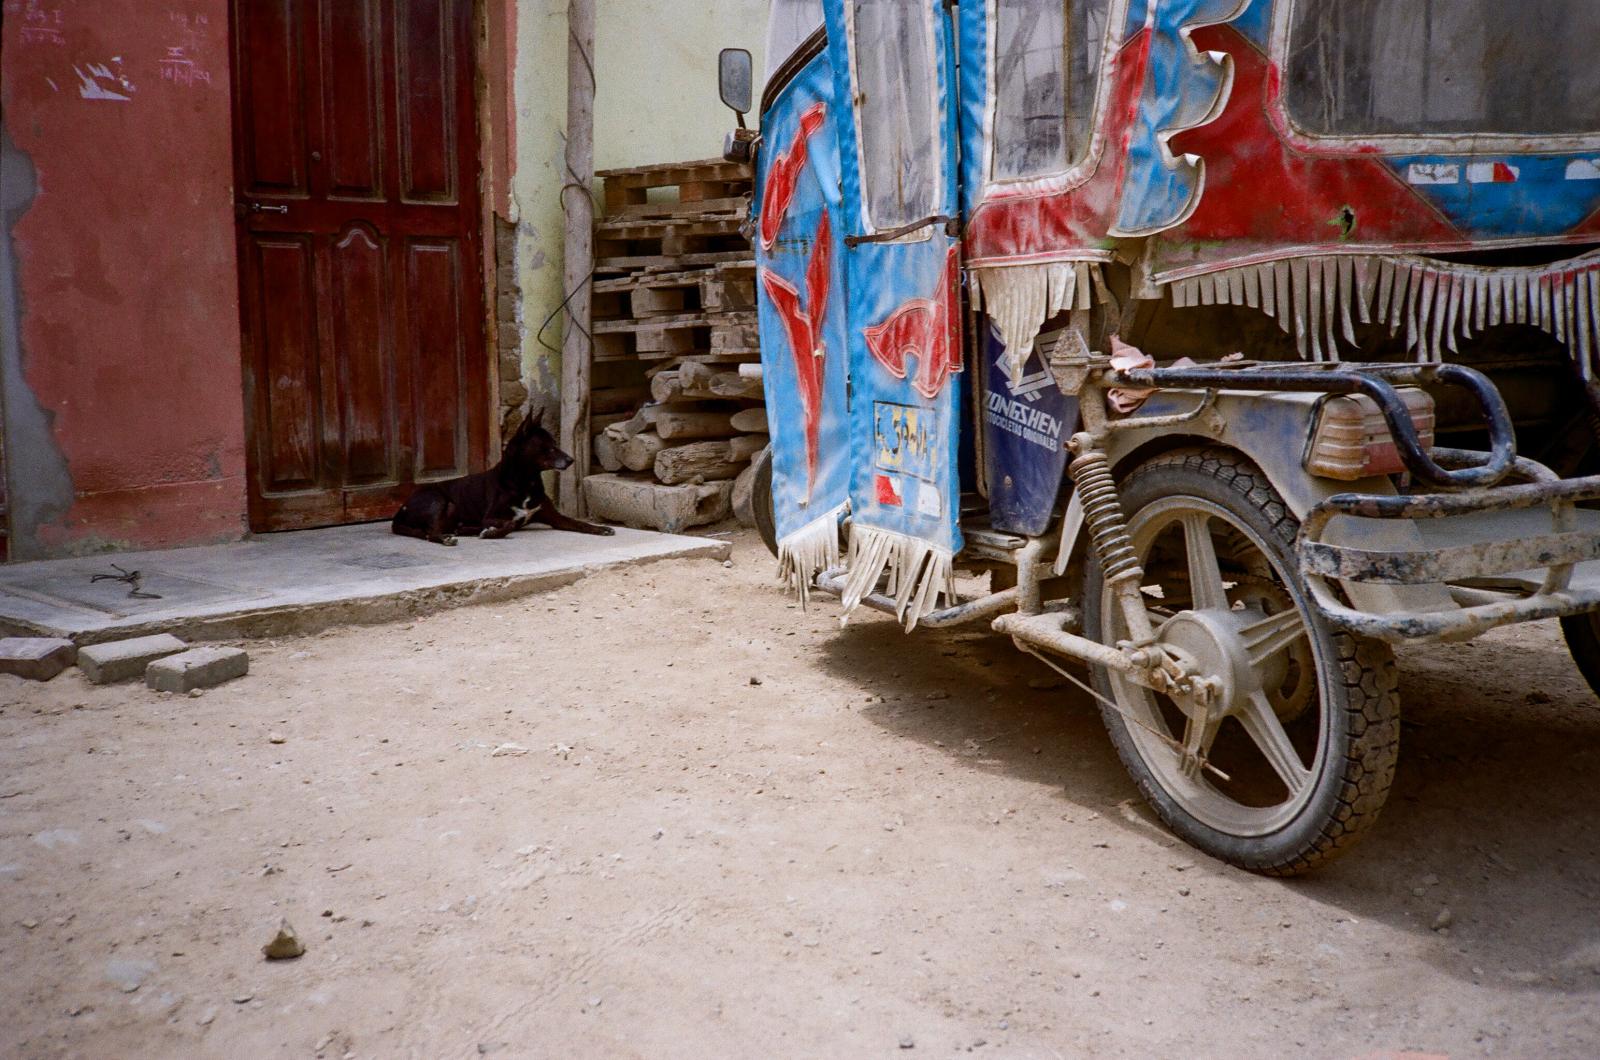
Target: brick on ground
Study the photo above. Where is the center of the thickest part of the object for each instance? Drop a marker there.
(36, 658)
(124, 660)
(197, 668)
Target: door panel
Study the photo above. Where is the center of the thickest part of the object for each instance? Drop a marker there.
(361, 339)
(427, 127)
(353, 59)
(435, 349)
(362, 302)
(287, 360)
(894, 60)
(271, 132)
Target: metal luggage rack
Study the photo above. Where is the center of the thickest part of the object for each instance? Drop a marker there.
(1469, 483)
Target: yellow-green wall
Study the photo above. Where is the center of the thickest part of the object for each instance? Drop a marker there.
(655, 101)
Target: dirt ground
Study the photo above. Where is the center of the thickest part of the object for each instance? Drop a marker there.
(666, 813)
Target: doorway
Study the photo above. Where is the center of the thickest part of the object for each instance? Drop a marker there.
(356, 164)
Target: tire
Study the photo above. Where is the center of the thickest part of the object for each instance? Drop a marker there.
(1334, 696)
(1582, 634)
(761, 501)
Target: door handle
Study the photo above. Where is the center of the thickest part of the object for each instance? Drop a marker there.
(261, 207)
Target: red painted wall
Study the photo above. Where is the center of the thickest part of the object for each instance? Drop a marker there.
(124, 274)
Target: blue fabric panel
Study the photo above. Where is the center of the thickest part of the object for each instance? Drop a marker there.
(801, 492)
(904, 422)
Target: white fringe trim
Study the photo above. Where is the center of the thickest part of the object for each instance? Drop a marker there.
(810, 550)
(1436, 302)
(919, 573)
(1020, 298)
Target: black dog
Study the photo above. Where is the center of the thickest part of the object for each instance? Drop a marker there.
(493, 503)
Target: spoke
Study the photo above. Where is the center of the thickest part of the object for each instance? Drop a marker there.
(1264, 639)
(1261, 722)
(1205, 575)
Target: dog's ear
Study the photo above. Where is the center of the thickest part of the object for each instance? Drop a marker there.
(535, 419)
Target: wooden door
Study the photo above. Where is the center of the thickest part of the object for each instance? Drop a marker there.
(356, 175)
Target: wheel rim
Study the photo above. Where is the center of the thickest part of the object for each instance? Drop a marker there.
(1218, 595)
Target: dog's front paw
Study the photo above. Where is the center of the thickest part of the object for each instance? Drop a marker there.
(448, 539)
(602, 531)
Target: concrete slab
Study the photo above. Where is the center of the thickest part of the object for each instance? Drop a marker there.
(308, 580)
(203, 667)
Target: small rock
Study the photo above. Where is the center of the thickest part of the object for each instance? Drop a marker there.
(1444, 919)
(727, 563)
(207, 1017)
(755, 680)
(1419, 891)
(242, 999)
(285, 945)
(939, 695)
(1183, 891)
(1536, 697)
(594, 1002)
(657, 834)
(30, 923)
(508, 750)
(129, 976)
(276, 737)
(908, 1042)
(1430, 880)
(196, 693)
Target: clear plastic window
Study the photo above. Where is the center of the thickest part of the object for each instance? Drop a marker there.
(789, 24)
(894, 57)
(1046, 70)
(1444, 67)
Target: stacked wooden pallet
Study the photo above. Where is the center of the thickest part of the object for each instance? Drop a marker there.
(676, 408)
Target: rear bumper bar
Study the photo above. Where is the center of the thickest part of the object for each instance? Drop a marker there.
(1556, 553)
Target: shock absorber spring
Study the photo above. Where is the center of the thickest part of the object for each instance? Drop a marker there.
(1102, 514)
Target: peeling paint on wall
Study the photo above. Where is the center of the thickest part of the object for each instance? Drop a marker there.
(37, 480)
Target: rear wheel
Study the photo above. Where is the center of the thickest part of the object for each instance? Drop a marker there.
(1582, 633)
(1297, 747)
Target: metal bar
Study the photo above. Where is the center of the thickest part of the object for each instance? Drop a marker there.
(832, 581)
(1045, 631)
(1374, 381)
(1456, 563)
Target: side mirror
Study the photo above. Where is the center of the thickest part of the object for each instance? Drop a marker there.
(735, 75)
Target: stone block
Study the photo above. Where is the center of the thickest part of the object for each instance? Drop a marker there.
(124, 660)
(197, 668)
(36, 658)
(653, 506)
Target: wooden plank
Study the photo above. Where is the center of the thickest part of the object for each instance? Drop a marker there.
(696, 462)
(665, 174)
(629, 262)
(734, 205)
(577, 352)
(657, 301)
(653, 506)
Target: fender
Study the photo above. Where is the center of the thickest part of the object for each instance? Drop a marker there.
(1271, 429)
